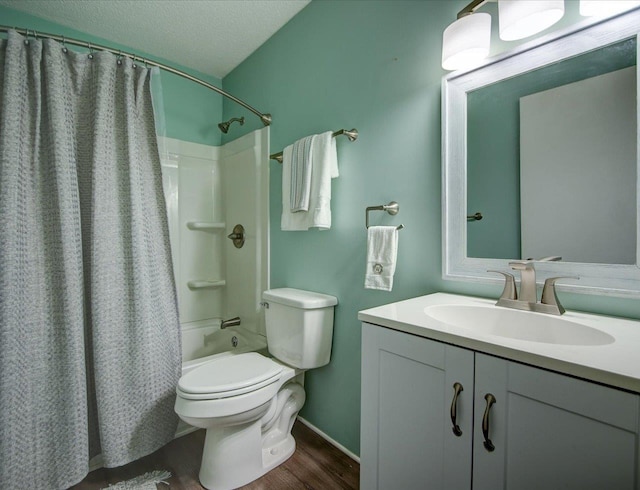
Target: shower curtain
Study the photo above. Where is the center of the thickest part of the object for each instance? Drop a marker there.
(89, 332)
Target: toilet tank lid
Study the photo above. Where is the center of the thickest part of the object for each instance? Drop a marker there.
(299, 299)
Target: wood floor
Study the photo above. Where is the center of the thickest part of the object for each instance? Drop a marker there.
(315, 465)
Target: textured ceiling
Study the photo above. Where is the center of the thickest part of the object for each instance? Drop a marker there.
(211, 36)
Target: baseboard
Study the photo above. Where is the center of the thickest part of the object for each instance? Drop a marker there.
(330, 440)
(183, 429)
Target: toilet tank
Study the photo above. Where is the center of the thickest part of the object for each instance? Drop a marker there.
(299, 326)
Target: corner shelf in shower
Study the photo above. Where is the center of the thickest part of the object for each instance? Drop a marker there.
(205, 225)
(205, 284)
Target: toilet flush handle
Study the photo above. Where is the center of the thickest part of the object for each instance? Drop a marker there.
(264, 304)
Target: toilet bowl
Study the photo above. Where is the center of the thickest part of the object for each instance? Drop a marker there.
(248, 402)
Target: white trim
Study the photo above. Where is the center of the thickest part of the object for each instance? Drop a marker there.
(183, 429)
(331, 441)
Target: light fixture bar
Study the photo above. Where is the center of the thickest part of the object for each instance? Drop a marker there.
(471, 8)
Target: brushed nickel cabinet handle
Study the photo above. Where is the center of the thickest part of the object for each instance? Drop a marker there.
(457, 388)
(488, 445)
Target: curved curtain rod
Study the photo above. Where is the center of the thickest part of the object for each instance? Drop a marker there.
(265, 118)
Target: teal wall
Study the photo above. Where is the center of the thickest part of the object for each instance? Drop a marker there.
(375, 66)
(192, 111)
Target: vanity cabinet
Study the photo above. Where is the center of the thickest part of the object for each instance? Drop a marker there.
(541, 430)
(406, 432)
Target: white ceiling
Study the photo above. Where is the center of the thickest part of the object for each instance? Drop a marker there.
(211, 36)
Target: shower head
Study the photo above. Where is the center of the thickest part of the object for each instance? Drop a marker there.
(224, 126)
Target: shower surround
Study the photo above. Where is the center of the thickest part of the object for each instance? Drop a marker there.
(209, 190)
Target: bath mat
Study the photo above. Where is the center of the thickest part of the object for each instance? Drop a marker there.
(147, 481)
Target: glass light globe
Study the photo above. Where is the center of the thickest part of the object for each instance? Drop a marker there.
(606, 8)
(466, 42)
(523, 18)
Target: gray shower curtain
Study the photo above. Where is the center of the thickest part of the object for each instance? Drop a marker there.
(89, 332)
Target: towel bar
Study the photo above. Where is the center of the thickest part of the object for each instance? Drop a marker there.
(352, 134)
(392, 208)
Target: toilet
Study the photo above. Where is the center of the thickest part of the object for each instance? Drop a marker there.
(248, 402)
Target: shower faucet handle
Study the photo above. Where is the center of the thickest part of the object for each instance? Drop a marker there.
(237, 236)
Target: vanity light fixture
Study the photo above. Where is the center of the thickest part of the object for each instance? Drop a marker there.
(523, 18)
(466, 42)
(606, 8)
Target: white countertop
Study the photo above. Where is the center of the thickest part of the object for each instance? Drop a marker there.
(616, 364)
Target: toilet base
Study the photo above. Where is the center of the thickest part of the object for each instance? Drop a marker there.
(239, 468)
(278, 454)
(236, 455)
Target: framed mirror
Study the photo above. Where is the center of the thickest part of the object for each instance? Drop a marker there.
(542, 142)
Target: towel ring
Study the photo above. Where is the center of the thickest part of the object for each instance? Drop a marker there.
(392, 208)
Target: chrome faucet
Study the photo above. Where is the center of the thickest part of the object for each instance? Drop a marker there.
(528, 300)
(231, 322)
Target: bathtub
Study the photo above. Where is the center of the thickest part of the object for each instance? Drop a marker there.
(227, 342)
(222, 343)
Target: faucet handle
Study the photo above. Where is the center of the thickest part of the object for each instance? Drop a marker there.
(549, 296)
(509, 291)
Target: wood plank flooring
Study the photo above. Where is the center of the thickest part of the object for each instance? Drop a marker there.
(316, 465)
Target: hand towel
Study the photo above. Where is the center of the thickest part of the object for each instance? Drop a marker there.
(324, 168)
(301, 168)
(382, 251)
(325, 160)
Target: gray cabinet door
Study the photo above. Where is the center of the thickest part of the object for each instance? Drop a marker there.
(407, 441)
(552, 431)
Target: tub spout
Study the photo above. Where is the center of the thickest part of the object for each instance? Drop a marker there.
(231, 322)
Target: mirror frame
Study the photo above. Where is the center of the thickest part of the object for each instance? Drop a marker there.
(605, 279)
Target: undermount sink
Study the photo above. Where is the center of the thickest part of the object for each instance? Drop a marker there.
(520, 325)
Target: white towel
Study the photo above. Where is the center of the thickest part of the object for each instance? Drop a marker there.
(301, 174)
(382, 250)
(324, 167)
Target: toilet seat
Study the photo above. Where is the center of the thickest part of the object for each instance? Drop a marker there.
(229, 376)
